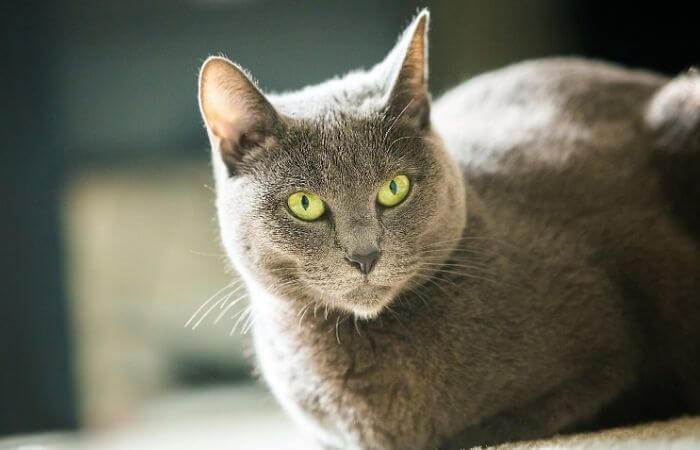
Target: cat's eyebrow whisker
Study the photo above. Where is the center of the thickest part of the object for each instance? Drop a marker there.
(396, 119)
(206, 302)
(401, 139)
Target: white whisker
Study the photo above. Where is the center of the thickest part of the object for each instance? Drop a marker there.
(229, 306)
(396, 119)
(230, 285)
(337, 335)
(241, 314)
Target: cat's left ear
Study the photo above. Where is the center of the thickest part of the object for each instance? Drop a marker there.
(408, 69)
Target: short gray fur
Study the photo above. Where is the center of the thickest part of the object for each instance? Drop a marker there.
(543, 271)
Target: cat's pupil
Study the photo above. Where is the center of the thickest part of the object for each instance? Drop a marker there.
(304, 202)
(393, 187)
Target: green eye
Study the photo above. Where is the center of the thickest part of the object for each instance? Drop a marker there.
(305, 205)
(393, 191)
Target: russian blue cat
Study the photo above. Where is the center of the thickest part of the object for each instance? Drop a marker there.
(513, 260)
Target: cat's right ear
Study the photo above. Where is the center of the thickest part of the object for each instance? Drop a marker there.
(237, 115)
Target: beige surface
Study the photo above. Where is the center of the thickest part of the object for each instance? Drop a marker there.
(678, 434)
(247, 417)
(244, 417)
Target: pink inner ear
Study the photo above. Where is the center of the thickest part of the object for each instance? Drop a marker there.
(234, 132)
(230, 125)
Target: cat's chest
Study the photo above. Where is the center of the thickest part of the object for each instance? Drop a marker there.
(347, 385)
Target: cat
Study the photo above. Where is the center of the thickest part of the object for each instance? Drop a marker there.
(516, 259)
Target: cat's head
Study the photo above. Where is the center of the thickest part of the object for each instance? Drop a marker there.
(340, 193)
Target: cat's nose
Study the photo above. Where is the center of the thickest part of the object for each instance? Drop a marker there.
(364, 261)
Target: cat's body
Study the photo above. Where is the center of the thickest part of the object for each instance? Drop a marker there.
(572, 286)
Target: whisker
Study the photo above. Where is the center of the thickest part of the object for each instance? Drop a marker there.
(431, 279)
(337, 335)
(357, 327)
(396, 119)
(460, 266)
(241, 314)
(216, 294)
(467, 251)
(229, 306)
(415, 292)
(466, 239)
(401, 139)
(196, 252)
(249, 322)
(206, 313)
(468, 275)
(302, 312)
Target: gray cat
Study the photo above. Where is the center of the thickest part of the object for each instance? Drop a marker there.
(517, 259)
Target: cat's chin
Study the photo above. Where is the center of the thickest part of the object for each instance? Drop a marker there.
(367, 301)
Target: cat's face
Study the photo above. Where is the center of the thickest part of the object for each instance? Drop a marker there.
(340, 208)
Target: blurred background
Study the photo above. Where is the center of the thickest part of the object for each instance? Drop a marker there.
(108, 243)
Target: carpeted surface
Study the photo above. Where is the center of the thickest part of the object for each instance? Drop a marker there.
(678, 434)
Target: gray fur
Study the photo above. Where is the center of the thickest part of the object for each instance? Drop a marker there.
(544, 268)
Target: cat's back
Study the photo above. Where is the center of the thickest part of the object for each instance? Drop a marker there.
(599, 161)
(492, 121)
(578, 140)
(556, 141)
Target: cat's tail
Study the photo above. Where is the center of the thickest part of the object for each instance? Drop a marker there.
(673, 115)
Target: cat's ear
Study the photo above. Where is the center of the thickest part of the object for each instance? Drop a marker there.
(237, 115)
(408, 63)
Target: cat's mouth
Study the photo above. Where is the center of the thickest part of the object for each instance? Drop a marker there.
(367, 299)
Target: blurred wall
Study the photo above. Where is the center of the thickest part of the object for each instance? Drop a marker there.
(36, 386)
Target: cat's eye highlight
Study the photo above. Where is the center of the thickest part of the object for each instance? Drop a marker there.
(393, 191)
(306, 206)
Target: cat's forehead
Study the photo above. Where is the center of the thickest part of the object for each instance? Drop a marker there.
(344, 153)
